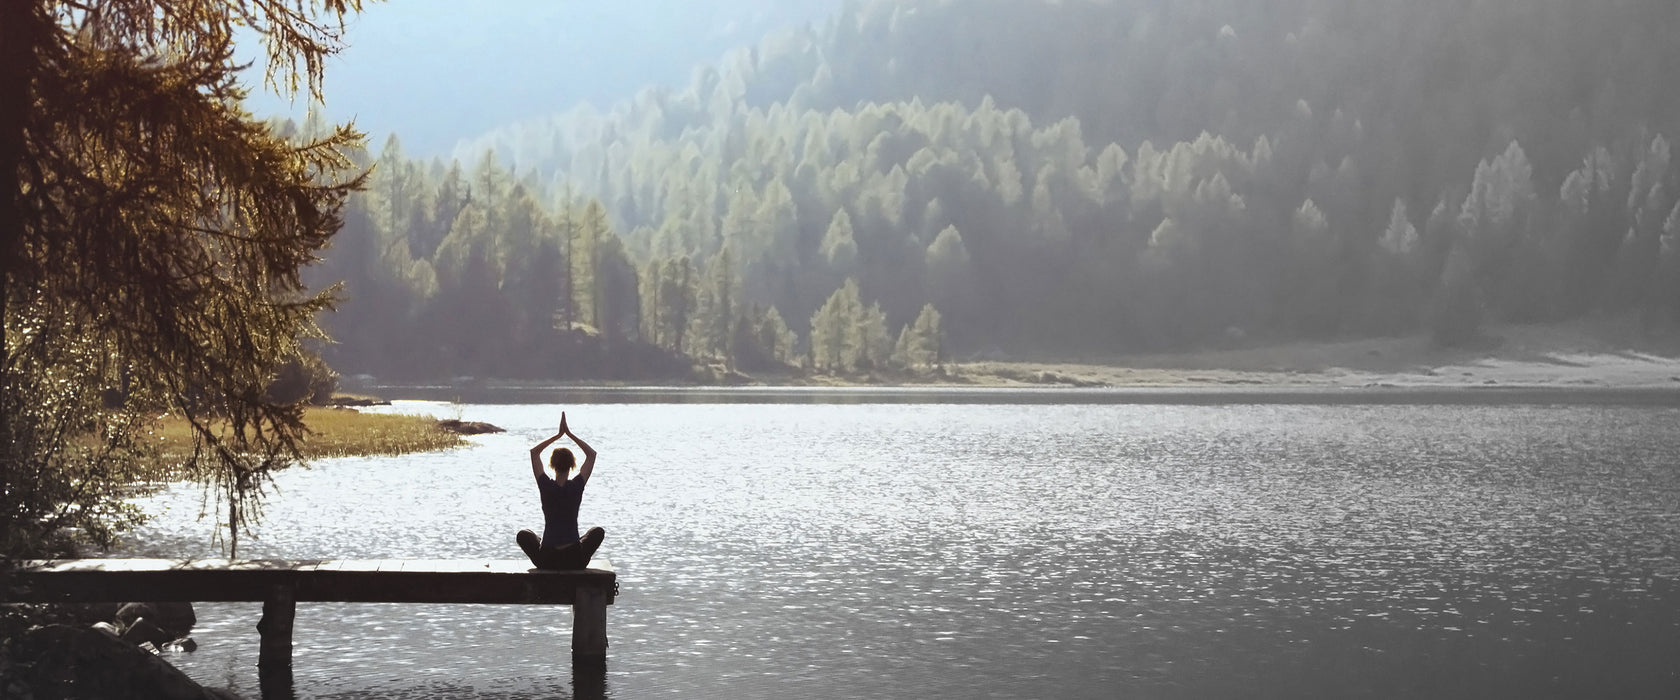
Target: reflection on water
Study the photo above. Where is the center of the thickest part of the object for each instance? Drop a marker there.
(1042, 550)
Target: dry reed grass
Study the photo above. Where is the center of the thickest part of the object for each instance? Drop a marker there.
(333, 432)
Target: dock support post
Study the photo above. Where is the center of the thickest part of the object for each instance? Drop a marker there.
(589, 626)
(274, 657)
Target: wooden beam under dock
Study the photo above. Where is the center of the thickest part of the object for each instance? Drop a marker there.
(281, 584)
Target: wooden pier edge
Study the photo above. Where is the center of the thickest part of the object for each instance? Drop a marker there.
(281, 584)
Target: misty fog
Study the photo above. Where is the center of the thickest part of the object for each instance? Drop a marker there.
(1092, 178)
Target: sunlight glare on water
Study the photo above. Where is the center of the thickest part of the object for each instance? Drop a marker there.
(775, 550)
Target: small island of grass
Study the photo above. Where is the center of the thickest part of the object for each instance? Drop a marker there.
(338, 432)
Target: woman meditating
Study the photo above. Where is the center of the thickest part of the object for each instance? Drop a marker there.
(560, 546)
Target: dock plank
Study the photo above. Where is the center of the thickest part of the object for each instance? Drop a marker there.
(508, 566)
(446, 565)
(315, 580)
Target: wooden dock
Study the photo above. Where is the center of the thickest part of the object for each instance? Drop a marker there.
(281, 584)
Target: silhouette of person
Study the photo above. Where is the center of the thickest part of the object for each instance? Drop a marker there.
(560, 546)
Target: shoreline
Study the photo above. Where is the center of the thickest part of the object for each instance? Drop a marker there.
(1601, 361)
(1135, 395)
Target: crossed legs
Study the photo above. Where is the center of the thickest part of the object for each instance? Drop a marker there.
(564, 557)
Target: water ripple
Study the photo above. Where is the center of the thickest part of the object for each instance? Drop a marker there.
(1014, 551)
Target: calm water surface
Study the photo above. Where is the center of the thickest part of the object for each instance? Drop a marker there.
(1018, 551)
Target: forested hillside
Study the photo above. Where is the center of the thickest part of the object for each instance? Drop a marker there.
(922, 180)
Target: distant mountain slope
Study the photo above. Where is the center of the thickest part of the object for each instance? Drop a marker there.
(1079, 177)
(1451, 80)
(437, 70)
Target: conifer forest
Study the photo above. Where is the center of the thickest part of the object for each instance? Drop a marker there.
(911, 183)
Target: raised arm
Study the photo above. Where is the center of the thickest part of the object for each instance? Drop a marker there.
(588, 457)
(536, 452)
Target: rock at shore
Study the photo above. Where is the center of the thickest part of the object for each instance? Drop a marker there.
(61, 661)
(160, 622)
(142, 632)
(460, 427)
(341, 401)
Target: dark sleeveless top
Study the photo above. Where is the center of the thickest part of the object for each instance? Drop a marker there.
(560, 510)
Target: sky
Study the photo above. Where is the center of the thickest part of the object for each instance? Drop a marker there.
(439, 71)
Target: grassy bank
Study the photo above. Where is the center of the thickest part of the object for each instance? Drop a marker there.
(336, 432)
(344, 433)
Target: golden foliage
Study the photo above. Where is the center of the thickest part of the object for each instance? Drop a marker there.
(151, 239)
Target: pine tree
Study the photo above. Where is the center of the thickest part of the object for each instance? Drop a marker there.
(592, 232)
(778, 341)
(836, 343)
(678, 299)
(839, 244)
(720, 280)
(901, 348)
(919, 342)
(393, 191)
(740, 222)
(452, 197)
(568, 230)
(947, 257)
(151, 242)
(651, 282)
(1401, 237)
(874, 343)
(1500, 193)
(927, 348)
(490, 188)
(617, 301)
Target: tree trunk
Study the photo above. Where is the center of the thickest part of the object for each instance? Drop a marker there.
(19, 33)
(21, 28)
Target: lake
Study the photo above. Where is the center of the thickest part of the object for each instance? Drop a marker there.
(1040, 548)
